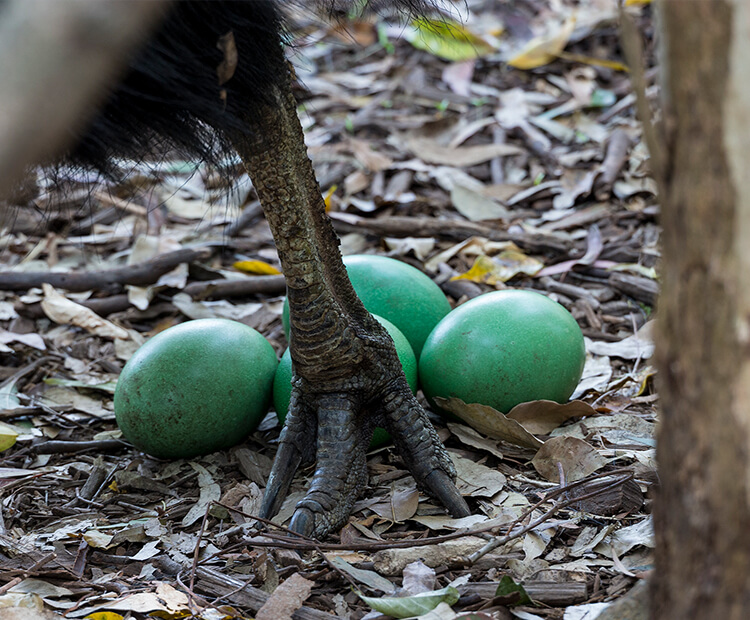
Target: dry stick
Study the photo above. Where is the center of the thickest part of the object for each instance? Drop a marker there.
(128, 206)
(315, 545)
(499, 542)
(249, 214)
(12, 583)
(221, 289)
(69, 447)
(307, 544)
(252, 597)
(399, 226)
(654, 136)
(196, 552)
(312, 541)
(614, 160)
(142, 274)
(28, 369)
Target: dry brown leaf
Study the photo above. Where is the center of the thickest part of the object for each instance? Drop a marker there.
(370, 578)
(477, 480)
(490, 422)
(543, 416)
(370, 159)
(577, 459)
(166, 600)
(542, 50)
(470, 437)
(63, 311)
(433, 152)
(418, 577)
(286, 599)
(475, 206)
(403, 505)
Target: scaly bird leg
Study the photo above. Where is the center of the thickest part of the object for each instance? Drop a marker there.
(347, 377)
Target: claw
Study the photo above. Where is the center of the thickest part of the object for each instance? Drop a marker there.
(294, 448)
(303, 522)
(442, 487)
(285, 465)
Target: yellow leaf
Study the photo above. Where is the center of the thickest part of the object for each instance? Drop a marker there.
(543, 50)
(594, 62)
(8, 436)
(636, 2)
(171, 615)
(256, 267)
(644, 379)
(328, 195)
(103, 615)
(481, 270)
(448, 40)
(501, 268)
(642, 270)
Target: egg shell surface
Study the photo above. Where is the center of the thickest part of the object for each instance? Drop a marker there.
(195, 388)
(502, 349)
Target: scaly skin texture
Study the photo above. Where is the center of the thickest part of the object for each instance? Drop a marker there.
(347, 377)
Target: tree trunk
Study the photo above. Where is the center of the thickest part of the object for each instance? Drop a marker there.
(702, 517)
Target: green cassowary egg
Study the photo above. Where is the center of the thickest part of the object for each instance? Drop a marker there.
(282, 383)
(396, 291)
(195, 388)
(504, 348)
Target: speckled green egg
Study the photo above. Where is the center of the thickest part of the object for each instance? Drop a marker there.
(195, 388)
(396, 291)
(504, 348)
(282, 383)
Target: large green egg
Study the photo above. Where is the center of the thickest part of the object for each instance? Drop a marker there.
(195, 388)
(396, 291)
(282, 383)
(504, 348)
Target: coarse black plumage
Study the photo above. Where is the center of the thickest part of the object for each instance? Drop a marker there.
(183, 90)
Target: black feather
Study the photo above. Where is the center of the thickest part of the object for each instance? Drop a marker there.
(174, 96)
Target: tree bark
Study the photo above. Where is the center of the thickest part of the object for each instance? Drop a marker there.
(702, 517)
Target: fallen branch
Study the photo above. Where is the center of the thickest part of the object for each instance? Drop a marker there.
(141, 274)
(399, 226)
(291, 540)
(209, 289)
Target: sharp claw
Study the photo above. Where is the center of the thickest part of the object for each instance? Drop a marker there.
(303, 522)
(285, 465)
(442, 488)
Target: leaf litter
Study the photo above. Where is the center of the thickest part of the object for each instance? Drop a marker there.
(484, 176)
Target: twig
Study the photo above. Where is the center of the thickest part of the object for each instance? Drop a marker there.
(222, 289)
(196, 553)
(303, 543)
(400, 226)
(69, 447)
(142, 274)
(499, 542)
(653, 135)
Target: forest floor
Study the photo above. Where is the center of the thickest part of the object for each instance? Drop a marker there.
(486, 162)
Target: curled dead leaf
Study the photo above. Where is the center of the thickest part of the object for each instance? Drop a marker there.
(490, 422)
(576, 458)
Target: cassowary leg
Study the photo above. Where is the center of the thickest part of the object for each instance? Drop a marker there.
(347, 377)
